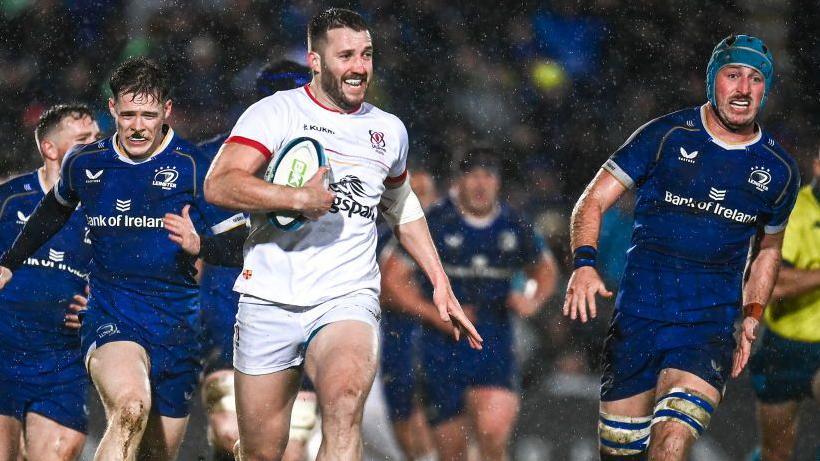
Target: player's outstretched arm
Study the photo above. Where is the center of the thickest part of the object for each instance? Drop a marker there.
(763, 269)
(401, 294)
(48, 218)
(585, 226)
(415, 238)
(232, 183)
(793, 282)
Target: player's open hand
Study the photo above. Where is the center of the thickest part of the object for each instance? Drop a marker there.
(78, 304)
(450, 311)
(745, 338)
(314, 199)
(181, 231)
(5, 276)
(583, 285)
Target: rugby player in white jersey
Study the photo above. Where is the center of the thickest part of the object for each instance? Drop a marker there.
(310, 297)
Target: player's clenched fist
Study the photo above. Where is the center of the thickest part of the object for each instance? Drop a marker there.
(583, 285)
(314, 199)
(5, 276)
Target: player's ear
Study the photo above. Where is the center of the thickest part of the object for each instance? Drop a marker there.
(48, 150)
(314, 61)
(112, 105)
(167, 108)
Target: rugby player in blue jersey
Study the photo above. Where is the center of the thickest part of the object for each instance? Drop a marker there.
(218, 304)
(482, 243)
(401, 333)
(42, 380)
(711, 185)
(139, 335)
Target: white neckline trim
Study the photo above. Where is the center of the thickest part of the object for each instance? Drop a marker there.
(40, 180)
(125, 158)
(723, 144)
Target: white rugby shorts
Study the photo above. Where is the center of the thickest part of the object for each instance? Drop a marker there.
(270, 337)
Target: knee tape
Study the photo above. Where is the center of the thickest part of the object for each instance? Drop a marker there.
(623, 435)
(690, 408)
(303, 417)
(220, 394)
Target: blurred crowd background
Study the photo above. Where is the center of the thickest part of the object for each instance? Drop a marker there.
(554, 85)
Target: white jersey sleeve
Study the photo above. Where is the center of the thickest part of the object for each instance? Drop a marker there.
(398, 170)
(263, 126)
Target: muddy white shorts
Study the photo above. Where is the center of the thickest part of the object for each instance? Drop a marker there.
(270, 337)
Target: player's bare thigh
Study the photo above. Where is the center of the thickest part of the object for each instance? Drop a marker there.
(635, 406)
(10, 430)
(120, 370)
(263, 407)
(48, 440)
(343, 354)
(341, 361)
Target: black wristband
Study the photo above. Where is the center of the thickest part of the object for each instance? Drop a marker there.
(584, 256)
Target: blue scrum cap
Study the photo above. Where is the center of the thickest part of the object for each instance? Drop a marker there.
(743, 50)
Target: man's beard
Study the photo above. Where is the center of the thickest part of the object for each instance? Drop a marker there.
(722, 115)
(333, 88)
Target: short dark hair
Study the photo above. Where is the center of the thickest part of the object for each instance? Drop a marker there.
(480, 157)
(333, 18)
(56, 113)
(140, 76)
(280, 76)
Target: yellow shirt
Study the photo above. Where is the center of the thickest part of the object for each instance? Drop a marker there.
(798, 318)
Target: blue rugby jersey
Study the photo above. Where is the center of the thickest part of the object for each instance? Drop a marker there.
(700, 202)
(124, 202)
(480, 260)
(33, 304)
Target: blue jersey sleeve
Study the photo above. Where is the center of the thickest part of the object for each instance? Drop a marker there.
(782, 209)
(64, 190)
(632, 163)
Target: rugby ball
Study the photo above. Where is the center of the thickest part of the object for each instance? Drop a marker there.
(297, 162)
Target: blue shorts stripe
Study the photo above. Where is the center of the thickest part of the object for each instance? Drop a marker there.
(636, 445)
(694, 399)
(681, 416)
(625, 425)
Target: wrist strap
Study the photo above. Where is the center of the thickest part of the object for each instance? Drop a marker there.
(584, 256)
(754, 310)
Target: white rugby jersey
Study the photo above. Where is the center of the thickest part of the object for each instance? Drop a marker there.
(335, 255)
